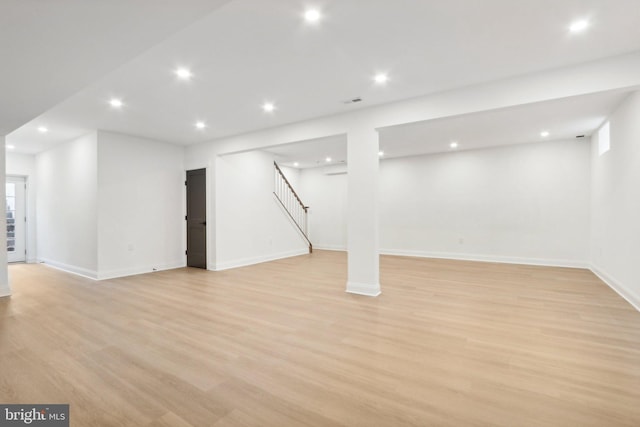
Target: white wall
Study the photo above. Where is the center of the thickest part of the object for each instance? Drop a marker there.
(110, 205)
(66, 205)
(251, 226)
(20, 164)
(525, 203)
(326, 196)
(292, 175)
(615, 203)
(141, 205)
(25, 165)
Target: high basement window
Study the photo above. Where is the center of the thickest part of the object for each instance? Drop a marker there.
(603, 139)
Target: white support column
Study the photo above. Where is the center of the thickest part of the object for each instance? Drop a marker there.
(5, 290)
(363, 211)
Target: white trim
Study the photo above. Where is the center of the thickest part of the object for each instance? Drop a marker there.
(243, 262)
(370, 290)
(488, 258)
(335, 248)
(79, 271)
(140, 270)
(22, 179)
(618, 287)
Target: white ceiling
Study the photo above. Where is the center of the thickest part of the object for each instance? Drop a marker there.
(312, 153)
(51, 49)
(563, 119)
(250, 51)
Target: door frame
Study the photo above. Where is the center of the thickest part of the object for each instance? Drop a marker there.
(208, 217)
(27, 248)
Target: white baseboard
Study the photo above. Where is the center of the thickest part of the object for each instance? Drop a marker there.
(488, 258)
(93, 275)
(618, 287)
(5, 291)
(370, 290)
(331, 248)
(243, 262)
(89, 274)
(113, 274)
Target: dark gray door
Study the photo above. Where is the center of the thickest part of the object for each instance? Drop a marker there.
(197, 218)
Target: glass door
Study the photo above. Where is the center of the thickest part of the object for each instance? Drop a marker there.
(16, 219)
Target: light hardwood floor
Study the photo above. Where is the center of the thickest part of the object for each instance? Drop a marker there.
(448, 343)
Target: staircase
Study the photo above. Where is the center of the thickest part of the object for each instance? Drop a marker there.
(291, 203)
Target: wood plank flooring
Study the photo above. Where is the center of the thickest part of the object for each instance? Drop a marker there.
(448, 343)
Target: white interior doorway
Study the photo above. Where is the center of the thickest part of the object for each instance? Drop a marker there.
(16, 218)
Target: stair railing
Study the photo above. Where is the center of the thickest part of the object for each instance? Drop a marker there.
(291, 203)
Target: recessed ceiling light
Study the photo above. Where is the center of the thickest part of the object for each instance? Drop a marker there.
(296, 164)
(312, 15)
(116, 103)
(380, 153)
(328, 160)
(42, 129)
(544, 133)
(268, 107)
(201, 125)
(184, 73)
(10, 147)
(453, 145)
(579, 26)
(381, 78)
